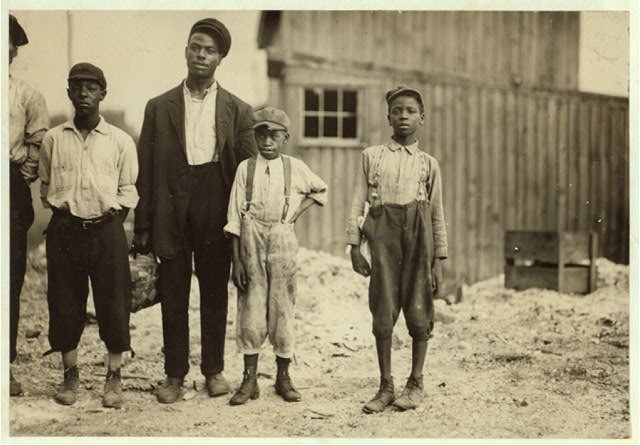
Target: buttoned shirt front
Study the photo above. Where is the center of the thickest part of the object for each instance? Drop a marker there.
(267, 201)
(200, 125)
(393, 173)
(28, 122)
(88, 176)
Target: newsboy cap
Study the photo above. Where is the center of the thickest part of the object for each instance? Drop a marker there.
(215, 29)
(273, 118)
(403, 90)
(87, 71)
(16, 32)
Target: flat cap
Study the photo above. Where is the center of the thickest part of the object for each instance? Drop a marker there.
(87, 71)
(403, 90)
(273, 118)
(16, 32)
(215, 29)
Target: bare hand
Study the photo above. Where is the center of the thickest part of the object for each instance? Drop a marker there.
(437, 277)
(140, 244)
(359, 263)
(239, 276)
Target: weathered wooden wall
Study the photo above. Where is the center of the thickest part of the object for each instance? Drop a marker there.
(512, 47)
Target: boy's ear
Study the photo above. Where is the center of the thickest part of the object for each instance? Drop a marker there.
(103, 93)
(389, 119)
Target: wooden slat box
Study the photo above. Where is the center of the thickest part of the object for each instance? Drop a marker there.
(558, 260)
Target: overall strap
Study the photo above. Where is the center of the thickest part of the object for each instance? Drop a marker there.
(286, 167)
(251, 172)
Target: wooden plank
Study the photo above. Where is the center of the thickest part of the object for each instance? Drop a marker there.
(471, 171)
(498, 173)
(563, 122)
(522, 164)
(510, 156)
(614, 194)
(552, 151)
(460, 241)
(573, 167)
(448, 172)
(487, 262)
(523, 277)
(584, 175)
(542, 179)
(595, 128)
(593, 255)
(625, 136)
(605, 179)
(532, 245)
(577, 246)
(531, 190)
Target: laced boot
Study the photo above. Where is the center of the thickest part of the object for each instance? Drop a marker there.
(15, 388)
(68, 393)
(248, 389)
(112, 390)
(383, 398)
(412, 395)
(171, 390)
(284, 386)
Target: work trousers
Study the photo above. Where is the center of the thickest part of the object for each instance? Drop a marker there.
(21, 218)
(266, 307)
(204, 245)
(401, 242)
(75, 255)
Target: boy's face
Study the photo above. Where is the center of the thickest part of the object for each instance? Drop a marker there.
(85, 95)
(270, 141)
(405, 115)
(203, 55)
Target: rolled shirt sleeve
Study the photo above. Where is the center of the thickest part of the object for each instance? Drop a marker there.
(360, 189)
(44, 167)
(236, 200)
(437, 212)
(315, 187)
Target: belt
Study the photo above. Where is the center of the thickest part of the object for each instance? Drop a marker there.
(84, 223)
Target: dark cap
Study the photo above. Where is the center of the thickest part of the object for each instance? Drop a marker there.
(86, 71)
(273, 118)
(16, 32)
(215, 29)
(403, 90)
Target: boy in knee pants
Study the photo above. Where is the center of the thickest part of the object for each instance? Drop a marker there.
(269, 193)
(406, 231)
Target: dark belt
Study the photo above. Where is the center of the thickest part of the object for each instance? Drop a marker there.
(84, 223)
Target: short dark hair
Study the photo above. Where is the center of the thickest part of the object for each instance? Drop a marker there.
(409, 94)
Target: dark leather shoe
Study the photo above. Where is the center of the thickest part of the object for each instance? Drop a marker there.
(412, 395)
(284, 388)
(112, 390)
(383, 398)
(248, 389)
(69, 390)
(217, 385)
(171, 390)
(15, 388)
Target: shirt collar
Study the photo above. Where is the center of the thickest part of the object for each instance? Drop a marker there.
(102, 127)
(264, 161)
(212, 88)
(393, 145)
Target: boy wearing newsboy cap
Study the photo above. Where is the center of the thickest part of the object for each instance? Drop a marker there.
(269, 193)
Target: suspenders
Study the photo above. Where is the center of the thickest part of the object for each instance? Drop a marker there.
(251, 172)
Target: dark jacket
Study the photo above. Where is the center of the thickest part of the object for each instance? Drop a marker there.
(163, 178)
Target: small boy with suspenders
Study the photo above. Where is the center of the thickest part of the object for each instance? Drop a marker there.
(270, 191)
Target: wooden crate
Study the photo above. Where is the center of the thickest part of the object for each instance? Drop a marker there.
(558, 260)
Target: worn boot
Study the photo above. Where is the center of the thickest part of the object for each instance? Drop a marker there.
(284, 386)
(112, 390)
(68, 393)
(15, 388)
(248, 389)
(383, 398)
(171, 390)
(412, 395)
(217, 385)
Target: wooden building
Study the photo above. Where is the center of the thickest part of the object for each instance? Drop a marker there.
(519, 146)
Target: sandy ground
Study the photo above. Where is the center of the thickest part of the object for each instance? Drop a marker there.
(502, 364)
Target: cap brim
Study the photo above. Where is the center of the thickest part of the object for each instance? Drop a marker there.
(270, 125)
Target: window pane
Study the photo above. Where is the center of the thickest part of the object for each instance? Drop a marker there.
(350, 101)
(349, 127)
(311, 126)
(331, 100)
(330, 126)
(311, 99)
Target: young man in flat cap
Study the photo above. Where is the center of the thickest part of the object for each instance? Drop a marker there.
(270, 192)
(406, 231)
(28, 122)
(88, 171)
(193, 138)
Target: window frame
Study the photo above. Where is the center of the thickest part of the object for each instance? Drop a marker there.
(339, 114)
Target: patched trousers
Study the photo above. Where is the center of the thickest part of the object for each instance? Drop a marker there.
(401, 242)
(266, 307)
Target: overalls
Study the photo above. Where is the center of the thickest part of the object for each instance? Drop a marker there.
(268, 251)
(401, 243)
